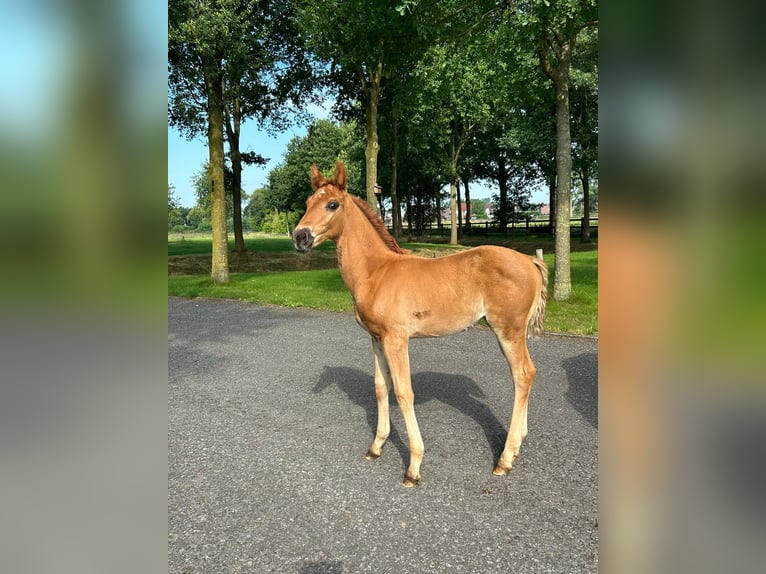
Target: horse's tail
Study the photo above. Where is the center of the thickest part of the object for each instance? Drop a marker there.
(537, 312)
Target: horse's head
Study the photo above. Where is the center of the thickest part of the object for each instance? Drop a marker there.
(324, 210)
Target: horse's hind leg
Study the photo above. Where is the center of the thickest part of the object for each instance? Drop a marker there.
(382, 390)
(523, 370)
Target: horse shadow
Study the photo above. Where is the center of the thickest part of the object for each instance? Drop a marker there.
(582, 375)
(322, 567)
(456, 391)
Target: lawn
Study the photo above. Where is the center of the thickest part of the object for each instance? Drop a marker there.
(201, 243)
(579, 315)
(324, 289)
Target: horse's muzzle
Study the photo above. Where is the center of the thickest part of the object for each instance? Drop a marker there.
(302, 239)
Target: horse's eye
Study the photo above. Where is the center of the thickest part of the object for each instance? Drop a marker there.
(333, 205)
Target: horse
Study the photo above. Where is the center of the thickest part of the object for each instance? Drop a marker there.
(398, 296)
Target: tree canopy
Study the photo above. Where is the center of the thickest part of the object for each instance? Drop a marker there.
(427, 94)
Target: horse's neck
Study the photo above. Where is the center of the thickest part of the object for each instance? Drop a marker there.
(360, 249)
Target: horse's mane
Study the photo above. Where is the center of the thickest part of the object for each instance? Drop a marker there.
(377, 225)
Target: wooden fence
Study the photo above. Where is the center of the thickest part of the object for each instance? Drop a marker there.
(513, 229)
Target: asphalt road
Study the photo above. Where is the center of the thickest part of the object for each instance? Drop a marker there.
(271, 411)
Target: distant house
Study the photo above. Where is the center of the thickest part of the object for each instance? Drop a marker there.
(545, 209)
(463, 211)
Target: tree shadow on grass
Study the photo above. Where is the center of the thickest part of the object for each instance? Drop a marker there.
(456, 391)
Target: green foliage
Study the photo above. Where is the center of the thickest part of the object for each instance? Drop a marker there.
(479, 208)
(175, 214)
(324, 144)
(583, 98)
(462, 93)
(276, 222)
(253, 47)
(200, 182)
(255, 210)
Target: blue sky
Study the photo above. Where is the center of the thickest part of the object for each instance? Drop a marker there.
(47, 47)
(185, 158)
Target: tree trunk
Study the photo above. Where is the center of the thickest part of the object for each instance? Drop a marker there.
(371, 85)
(408, 207)
(459, 208)
(232, 134)
(502, 184)
(559, 75)
(552, 203)
(562, 283)
(419, 219)
(438, 198)
(220, 261)
(585, 234)
(396, 211)
(453, 210)
(453, 190)
(467, 204)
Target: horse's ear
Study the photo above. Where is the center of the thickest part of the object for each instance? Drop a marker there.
(340, 175)
(316, 177)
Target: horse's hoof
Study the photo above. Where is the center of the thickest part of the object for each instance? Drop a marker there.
(371, 455)
(501, 470)
(409, 482)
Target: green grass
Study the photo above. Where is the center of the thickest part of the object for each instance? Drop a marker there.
(579, 315)
(201, 243)
(322, 289)
(325, 290)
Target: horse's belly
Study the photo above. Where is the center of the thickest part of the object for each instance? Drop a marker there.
(427, 323)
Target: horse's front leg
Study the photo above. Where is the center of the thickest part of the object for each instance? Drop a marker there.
(382, 390)
(395, 348)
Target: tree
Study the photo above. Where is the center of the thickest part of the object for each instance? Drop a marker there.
(250, 54)
(197, 33)
(324, 144)
(454, 85)
(198, 219)
(174, 209)
(255, 210)
(551, 28)
(479, 208)
(267, 76)
(202, 191)
(361, 42)
(584, 112)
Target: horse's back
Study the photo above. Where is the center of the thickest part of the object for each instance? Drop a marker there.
(498, 262)
(438, 296)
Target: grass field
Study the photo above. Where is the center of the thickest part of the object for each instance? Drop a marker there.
(324, 289)
(201, 243)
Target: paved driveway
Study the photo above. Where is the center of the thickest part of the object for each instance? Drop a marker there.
(271, 411)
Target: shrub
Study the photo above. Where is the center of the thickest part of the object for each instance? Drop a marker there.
(274, 222)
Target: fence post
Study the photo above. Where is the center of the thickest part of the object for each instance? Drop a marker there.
(539, 253)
